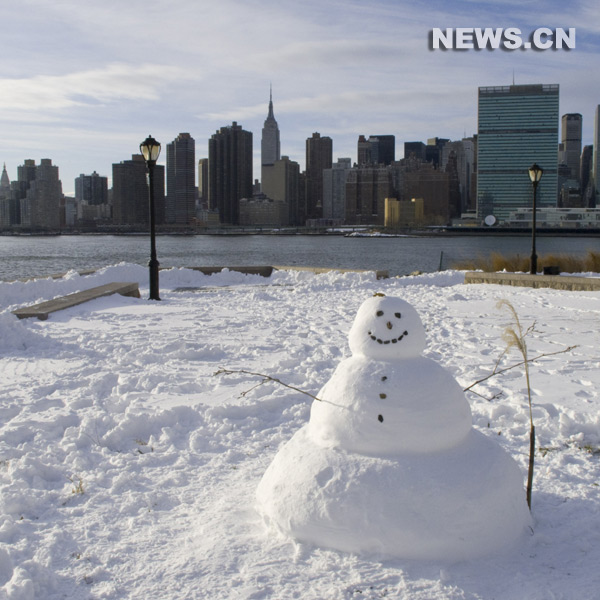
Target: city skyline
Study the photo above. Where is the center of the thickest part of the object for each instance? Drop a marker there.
(88, 82)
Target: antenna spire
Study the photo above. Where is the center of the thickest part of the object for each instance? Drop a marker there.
(270, 115)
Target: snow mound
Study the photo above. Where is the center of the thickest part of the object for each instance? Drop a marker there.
(460, 504)
(389, 462)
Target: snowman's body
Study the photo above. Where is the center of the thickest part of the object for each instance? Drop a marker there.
(378, 408)
(389, 462)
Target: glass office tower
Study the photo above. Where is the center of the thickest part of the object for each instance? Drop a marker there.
(517, 126)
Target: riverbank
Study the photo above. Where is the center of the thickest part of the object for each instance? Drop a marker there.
(325, 231)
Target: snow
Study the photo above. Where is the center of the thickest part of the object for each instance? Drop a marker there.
(128, 469)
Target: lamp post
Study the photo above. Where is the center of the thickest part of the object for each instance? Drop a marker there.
(535, 174)
(150, 150)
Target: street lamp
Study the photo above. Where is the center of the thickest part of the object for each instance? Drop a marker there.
(535, 174)
(150, 149)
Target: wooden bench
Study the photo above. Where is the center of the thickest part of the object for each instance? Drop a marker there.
(43, 309)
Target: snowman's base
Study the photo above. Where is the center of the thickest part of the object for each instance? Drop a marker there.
(458, 504)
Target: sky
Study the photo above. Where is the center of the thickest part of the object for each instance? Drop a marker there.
(84, 82)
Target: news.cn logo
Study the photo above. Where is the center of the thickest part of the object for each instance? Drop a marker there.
(510, 38)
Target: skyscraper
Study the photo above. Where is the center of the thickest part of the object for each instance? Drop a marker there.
(229, 171)
(334, 189)
(203, 181)
(571, 141)
(4, 183)
(517, 126)
(92, 189)
(383, 149)
(281, 183)
(465, 167)
(596, 159)
(319, 156)
(363, 151)
(377, 150)
(40, 208)
(5, 202)
(130, 193)
(180, 208)
(586, 182)
(270, 148)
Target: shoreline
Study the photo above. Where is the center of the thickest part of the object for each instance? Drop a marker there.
(349, 232)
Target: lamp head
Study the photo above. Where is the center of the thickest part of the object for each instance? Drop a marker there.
(150, 149)
(535, 173)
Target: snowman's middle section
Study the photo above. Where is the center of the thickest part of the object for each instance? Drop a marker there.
(379, 407)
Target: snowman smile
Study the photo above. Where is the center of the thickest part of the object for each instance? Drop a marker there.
(390, 341)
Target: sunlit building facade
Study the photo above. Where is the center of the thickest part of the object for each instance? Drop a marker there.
(517, 126)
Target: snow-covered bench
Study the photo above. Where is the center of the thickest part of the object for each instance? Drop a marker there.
(43, 309)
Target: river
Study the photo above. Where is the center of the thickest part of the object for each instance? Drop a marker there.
(31, 256)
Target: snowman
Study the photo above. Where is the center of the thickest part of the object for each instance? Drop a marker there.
(389, 462)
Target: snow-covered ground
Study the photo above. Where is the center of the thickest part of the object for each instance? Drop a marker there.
(128, 469)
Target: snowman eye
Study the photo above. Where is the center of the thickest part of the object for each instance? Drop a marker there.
(398, 315)
(379, 313)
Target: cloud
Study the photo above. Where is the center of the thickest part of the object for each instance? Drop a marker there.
(98, 86)
(118, 70)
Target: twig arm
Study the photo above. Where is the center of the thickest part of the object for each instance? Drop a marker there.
(500, 371)
(265, 378)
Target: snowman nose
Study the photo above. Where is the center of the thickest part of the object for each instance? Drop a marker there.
(389, 325)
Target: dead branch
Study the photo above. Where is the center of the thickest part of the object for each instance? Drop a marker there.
(497, 371)
(265, 379)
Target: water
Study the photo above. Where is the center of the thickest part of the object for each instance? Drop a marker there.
(30, 256)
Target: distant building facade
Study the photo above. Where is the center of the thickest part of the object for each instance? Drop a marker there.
(91, 189)
(319, 156)
(281, 183)
(262, 211)
(363, 151)
(586, 179)
(367, 187)
(517, 126)
(596, 160)
(465, 161)
(403, 213)
(230, 171)
(423, 180)
(433, 150)
(203, 181)
(270, 146)
(130, 194)
(571, 132)
(383, 149)
(5, 202)
(180, 207)
(334, 189)
(415, 149)
(40, 207)
(377, 150)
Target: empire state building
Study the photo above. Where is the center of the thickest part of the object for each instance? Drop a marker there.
(269, 145)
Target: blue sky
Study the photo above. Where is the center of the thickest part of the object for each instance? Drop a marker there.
(83, 82)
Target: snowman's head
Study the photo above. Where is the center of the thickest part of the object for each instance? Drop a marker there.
(386, 328)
